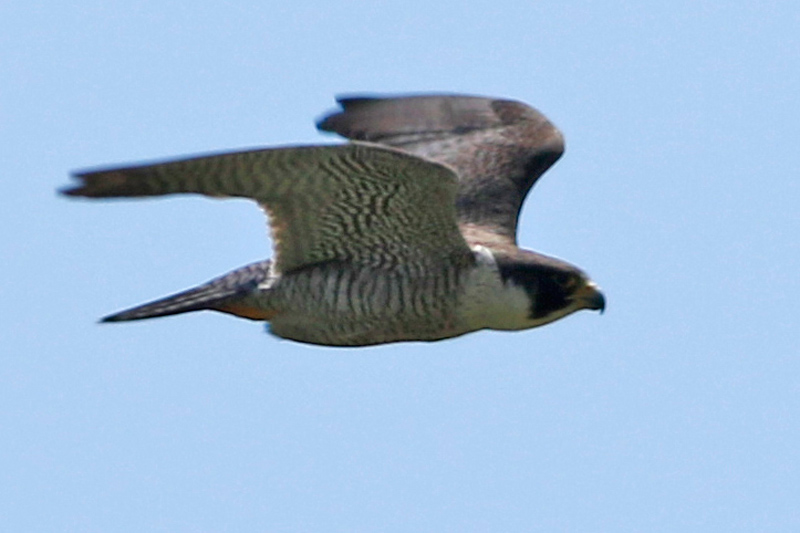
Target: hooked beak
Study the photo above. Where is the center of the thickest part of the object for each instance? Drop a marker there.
(591, 297)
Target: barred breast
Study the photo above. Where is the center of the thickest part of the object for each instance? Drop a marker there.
(343, 304)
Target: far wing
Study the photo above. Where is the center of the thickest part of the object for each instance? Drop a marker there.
(499, 148)
(356, 202)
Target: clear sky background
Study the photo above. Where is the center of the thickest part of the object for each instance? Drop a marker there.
(677, 410)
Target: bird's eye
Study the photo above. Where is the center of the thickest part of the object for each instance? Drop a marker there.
(566, 281)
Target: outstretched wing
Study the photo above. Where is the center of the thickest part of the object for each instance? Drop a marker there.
(357, 202)
(499, 148)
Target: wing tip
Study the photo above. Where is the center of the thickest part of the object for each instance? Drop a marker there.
(375, 117)
(75, 189)
(102, 184)
(84, 187)
(118, 317)
(346, 100)
(326, 123)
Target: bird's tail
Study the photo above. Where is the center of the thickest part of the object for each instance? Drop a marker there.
(227, 293)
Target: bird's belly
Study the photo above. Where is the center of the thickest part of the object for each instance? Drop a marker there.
(345, 306)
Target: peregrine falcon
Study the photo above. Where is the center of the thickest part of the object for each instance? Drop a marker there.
(405, 233)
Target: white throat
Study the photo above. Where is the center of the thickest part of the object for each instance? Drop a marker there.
(488, 302)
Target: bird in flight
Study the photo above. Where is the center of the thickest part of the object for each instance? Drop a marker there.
(405, 233)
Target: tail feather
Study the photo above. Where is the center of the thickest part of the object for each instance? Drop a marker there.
(212, 295)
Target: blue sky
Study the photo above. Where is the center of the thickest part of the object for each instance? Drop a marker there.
(677, 410)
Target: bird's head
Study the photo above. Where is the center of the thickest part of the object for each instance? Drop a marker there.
(554, 287)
